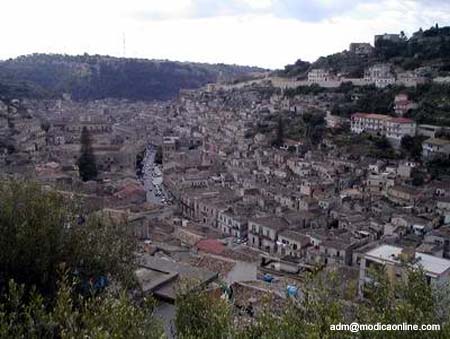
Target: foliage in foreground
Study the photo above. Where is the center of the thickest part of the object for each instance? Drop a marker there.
(42, 230)
(202, 315)
(24, 315)
(410, 301)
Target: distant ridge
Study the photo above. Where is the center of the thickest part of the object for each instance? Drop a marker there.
(87, 77)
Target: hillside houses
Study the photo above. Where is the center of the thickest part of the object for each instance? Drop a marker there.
(394, 128)
(299, 206)
(321, 76)
(380, 74)
(436, 148)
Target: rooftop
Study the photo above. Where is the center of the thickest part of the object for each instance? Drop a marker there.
(296, 236)
(400, 120)
(271, 222)
(437, 142)
(160, 276)
(431, 264)
(210, 246)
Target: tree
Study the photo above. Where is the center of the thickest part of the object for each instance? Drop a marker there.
(279, 138)
(86, 163)
(159, 155)
(410, 300)
(41, 230)
(418, 178)
(412, 146)
(314, 127)
(202, 315)
(42, 233)
(45, 126)
(300, 67)
(25, 315)
(403, 36)
(439, 167)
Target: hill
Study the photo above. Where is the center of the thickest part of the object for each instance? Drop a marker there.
(95, 77)
(424, 48)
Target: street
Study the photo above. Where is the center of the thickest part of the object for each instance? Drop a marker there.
(152, 178)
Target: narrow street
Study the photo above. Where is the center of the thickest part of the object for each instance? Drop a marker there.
(152, 178)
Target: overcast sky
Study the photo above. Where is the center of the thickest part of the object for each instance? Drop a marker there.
(267, 33)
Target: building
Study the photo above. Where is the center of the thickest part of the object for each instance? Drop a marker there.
(320, 75)
(369, 123)
(436, 148)
(292, 243)
(440, 236)
(387, 37)
(361, 48)
(234, 221)
(397, 128)
(170, 144)
(403, 195)
(380, 74)
(411, 78)
(263, 233)
(437, 270)
(336, 251)
(402, 104)
(429, 131)
(391, 127)
(161, 277)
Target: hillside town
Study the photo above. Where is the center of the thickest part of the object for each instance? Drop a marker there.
(219, 185)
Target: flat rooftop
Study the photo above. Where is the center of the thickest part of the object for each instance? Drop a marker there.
(161, 276)
(431, 264)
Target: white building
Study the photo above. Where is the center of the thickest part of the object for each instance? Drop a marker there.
(234, 222)
(410, 79)
(397, 128)
(367, 122)
(402, 104)
(320, 75)
(436, 148)
(391, 127)
(437, 270)
(381, 75)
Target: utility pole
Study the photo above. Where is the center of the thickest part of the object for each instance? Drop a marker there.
(124, 51)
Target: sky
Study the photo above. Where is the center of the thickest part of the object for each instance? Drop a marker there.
(265, 33)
